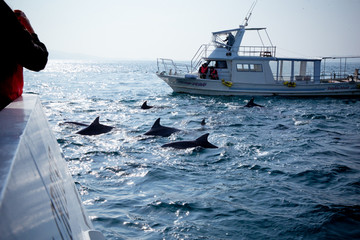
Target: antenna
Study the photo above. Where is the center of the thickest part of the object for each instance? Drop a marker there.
(248, 15)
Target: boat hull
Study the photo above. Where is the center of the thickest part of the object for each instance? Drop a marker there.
(181, 84)
(38, 196)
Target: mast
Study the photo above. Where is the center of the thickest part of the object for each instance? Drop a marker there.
(231, 49)
(248, 15)
(240, 34)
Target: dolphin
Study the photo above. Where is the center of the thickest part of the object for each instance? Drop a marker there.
(77, 123)
(252, 104)
(158, 130)
(145, 106)
(95, 128)
(199, 142)
(203, 122)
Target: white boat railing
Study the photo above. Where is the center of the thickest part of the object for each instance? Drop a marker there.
(169, 67)
(340, 69)
(326, 70)
(338, 77)
(246, 51)
(198, 57)
(257, 51)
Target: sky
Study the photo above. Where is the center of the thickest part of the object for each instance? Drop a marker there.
(150, 29)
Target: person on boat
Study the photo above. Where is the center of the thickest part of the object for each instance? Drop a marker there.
(20, 47)
(356, 73)
(203, 70)
(229, 41)
(214, 74)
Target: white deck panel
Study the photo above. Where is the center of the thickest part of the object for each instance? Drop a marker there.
(38, 198)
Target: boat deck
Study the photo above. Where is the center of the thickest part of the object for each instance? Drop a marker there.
(38, 197)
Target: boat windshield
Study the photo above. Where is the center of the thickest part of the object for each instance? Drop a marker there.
(224, 39)
(218, 64)
(257, 43)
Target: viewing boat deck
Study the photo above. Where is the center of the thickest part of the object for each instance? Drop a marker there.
(38, 197)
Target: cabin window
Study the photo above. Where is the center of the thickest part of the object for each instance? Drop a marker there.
(248, 67)
(241, 67)
(220, 64)
(217, 64)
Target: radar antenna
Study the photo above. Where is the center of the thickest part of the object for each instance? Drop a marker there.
(248, 15)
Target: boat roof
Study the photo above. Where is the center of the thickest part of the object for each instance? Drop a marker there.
(258, 58)
(237, 29)
(338, 57)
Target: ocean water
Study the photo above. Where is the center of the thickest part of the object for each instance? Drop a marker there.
(290, 170)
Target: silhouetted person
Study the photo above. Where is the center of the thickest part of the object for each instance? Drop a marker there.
(19, 47)
(230, 40)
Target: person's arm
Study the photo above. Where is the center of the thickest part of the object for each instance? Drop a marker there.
(31, 53)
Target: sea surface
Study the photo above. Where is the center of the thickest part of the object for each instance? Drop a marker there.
(289, 170)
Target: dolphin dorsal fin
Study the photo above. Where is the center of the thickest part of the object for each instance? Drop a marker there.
(96, 121)
(203, 141)
(144, 105)
(203, 138)
(156, 123)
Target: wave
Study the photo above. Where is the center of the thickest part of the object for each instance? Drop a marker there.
(322, 177)
(177, 205)
(335, 221)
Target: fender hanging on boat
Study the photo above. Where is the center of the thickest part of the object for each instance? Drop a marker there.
(290, 84)
(226, 83)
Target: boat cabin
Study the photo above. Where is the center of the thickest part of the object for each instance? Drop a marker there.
(266, 70)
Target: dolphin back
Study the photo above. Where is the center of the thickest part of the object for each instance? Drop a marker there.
(158, 130)
(203, 142)
(199, 142)
(145, 106)
(95, 128)
(252, 104)
(181, 144)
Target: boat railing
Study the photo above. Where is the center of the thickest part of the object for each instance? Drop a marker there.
(340, 69)
(257, 51)
(169, 67)
(206, 49)
(338, 77)
(312, 70)
(197, 58)
(298, 79)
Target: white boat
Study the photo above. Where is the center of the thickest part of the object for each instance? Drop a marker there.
(256, 71)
